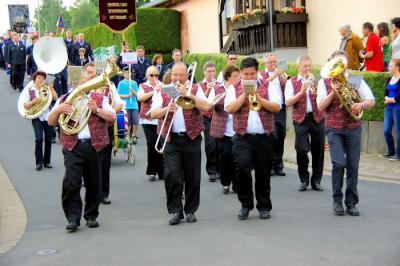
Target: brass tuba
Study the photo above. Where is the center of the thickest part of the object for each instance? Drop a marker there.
(346, 94)
(74, 122)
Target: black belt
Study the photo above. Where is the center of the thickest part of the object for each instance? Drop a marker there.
(180, 134)
(310, 114)
(254, 134)
(85, 140)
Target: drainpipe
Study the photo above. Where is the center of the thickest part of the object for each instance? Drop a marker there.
(271, 25)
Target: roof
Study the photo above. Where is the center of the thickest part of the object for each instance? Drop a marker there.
(154, 3)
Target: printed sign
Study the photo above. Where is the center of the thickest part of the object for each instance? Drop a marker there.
(129, 58)
(117, 15)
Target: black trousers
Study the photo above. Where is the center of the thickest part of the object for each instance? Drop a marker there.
(228, 168)
(83, 161)
(154, 159)
(210, 148)
(310, 136)
(280, 135)
(17, 76)
(43, 132)
(345, 146)
(106, 155)
(254, 151)
(182, 162)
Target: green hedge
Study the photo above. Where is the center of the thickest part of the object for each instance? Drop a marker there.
(158, 29)
(376, 80)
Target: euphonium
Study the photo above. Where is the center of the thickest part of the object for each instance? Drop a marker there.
(346, 94)
(251, 86)
(35, 111)
(74, 122)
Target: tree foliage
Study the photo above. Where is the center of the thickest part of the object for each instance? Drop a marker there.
(83, 14)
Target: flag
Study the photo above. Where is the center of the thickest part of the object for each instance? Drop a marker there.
(60, 24)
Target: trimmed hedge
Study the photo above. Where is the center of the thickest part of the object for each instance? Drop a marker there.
(376, 80)
(158, 29)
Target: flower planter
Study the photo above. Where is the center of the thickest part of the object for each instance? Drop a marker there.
(291, 18)
(238, 24)
(256, 20)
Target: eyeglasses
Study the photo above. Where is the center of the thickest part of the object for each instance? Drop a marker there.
(153, 75)
(232, 58)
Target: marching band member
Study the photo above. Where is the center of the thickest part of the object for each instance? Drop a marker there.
(222, 130)
(40, 125)
(209, 142)
(300, 93)
(253, 143)
(344, 136)
(182, 155)
(271, 73)
(82, 158)
(232, 59)
(147, 92)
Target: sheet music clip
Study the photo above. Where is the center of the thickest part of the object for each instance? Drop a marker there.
(355, 81)
(170, 90)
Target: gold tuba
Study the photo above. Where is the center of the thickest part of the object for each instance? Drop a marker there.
(346, 94)
(74, 122)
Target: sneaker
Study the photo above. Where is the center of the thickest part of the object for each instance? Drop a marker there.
(134, 140)
(395, 158)
(225, 190)
(386, 155)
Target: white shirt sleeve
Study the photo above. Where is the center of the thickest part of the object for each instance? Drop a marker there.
(230, 96)
(321, 91)
(140, 91)
(157, 102)
(220, 78)
(365, 92)
(289, 91)
(200, 94)
(211, 96)
(106, 105)
(274, 94)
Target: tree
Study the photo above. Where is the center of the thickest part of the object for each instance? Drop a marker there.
(49, 12)
(83, 14)
(142, 2)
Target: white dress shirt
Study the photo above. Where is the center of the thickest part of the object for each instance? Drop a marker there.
(178, 125)
(276, 81)
(289, 92)
(45, 114)
(363, 91)
(254, 124)
(146, 121)
(220, 77)
(85, 132)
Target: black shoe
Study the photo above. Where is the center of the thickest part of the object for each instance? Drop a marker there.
(303, 186)
(38, 167)
(280, 172)
(176, 218)
(152, 178)
(72, 226)
(338, 208)
(48, 165)
(317, 187)
(91, 223)
(395, 158)
(265, 214)
(387, 155)
(352, 211)
(243, 214)
(191, 218)
(106, 200)
(212, 178)
(225, 190)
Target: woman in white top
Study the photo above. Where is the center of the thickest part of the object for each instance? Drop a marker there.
(396, 38)
(40, 125)
(146, 93)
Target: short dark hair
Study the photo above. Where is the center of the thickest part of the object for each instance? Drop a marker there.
(155, 58)
(396, 22)
(231, 53)
(39, 73)
(176, 50)
(383, 29)
(140, 47)
(249, 62)
(88, 65)
(227, 72)
(369, 26)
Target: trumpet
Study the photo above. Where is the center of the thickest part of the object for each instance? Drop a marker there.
(251, 86)
(184, 101)
(310, 78)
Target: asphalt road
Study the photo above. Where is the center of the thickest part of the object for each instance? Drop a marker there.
(134, 229)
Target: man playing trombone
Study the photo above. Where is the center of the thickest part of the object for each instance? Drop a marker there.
(182, 154)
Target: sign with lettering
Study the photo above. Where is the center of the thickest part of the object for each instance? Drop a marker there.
(117, 15)
(129, 58)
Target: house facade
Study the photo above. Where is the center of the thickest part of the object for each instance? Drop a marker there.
(298, 26)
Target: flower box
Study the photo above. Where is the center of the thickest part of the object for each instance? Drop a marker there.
(291, 18)
(256, 20)
(238, 24)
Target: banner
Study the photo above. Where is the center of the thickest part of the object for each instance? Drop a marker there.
(19, 18)
(117, 15)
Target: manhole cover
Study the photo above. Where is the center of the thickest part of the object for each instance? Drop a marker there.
(47, 252)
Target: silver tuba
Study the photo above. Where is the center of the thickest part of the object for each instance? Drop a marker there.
(50, 56)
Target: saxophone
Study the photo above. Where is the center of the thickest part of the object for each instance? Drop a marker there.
(74, 122)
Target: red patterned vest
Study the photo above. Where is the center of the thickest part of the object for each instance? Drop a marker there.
(97, 126)
(300, 108)
(220, 116)
(240, 118)
(193, 118)
(337, 117)
(208, 114)
(146, 105)
(282, 82)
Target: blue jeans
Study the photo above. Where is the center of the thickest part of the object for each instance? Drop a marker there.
(391, 115)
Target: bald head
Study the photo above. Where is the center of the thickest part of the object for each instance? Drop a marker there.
(179, 73)
(345, 29)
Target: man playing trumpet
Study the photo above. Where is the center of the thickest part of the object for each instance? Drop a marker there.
(182, 155)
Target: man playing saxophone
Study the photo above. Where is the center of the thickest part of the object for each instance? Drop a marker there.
(82, 157)
(344, 136)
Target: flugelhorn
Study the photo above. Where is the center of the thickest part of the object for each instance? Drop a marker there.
(250, 86)
(310, 78)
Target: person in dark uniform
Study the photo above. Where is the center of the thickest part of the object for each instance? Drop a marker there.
(182, 154)
(82, 158)
(81, 59)
(69, 43)
(81, 43)
(16, 59)
(301, 93)
(253, 142)
(140, 68)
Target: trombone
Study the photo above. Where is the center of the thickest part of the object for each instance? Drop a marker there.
(183, 101)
